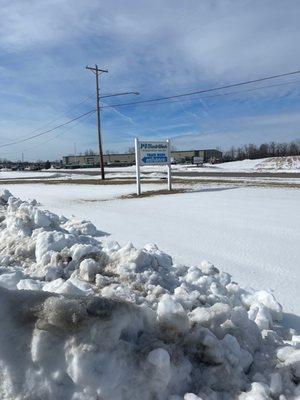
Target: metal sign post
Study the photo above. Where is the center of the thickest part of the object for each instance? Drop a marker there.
(152, 153)
(137, 166)
(169, 166)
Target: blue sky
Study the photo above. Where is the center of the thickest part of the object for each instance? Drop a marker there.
(159, 48)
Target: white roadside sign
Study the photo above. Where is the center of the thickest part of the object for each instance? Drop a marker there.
(198, 160)
(152, 153)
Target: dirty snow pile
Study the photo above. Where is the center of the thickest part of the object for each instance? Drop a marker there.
(289, 164)
(84, 320)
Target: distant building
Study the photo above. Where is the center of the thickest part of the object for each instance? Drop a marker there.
(94, 160)
(187, 156)
(177, 157)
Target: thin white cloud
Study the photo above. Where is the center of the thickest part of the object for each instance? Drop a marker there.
(281, 127)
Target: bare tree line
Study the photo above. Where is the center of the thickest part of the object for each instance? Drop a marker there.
(249, 151)
(271, 149)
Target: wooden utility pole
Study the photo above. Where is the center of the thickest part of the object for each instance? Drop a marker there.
(97, 71)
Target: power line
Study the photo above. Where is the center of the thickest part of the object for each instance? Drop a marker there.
(203, 91)
(49, 130)
(48, 140)
(117, 94)
(58, 117)
(218, 95)
(149, 101)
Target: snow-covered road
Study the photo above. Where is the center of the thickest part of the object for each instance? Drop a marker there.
(252, 233)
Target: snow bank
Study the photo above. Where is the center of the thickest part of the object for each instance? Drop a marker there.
(271, 164)
(289, 164)
(85, 320)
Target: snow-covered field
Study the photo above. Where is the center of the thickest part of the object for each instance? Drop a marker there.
(274, 164)
(64, 197)
(29, 174)
(252, 233)
(84, 318)
(123, 173)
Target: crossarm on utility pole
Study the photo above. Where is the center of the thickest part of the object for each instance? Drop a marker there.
(97, 71)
